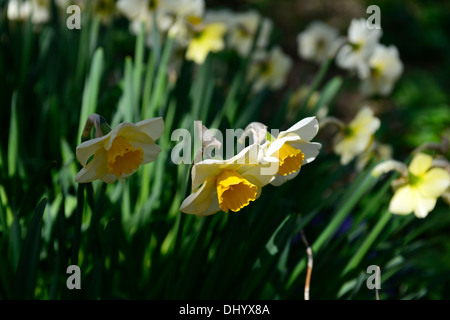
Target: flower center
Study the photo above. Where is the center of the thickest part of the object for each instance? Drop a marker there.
(234, 191)
(291, 159)
(122, 157)
(413, 179)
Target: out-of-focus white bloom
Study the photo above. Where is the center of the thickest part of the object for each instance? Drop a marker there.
(18, 10)
(39, 10)
(167, 12)
(104, 10)
(317, 42)
(357, 136)
(225, 16)
(243, 31)
(269, 69)
(385, 69)
(361, 44)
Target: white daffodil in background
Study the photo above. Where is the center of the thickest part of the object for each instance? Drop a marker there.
(385, 69)
(18, 10)
(419, 186)
(39, 10)
(269, 69)
(118, 154)
(227, 184)
(243, 32)
(317, 42)
(206, 38)
(362, 41)
(357, 136)
(293, 149)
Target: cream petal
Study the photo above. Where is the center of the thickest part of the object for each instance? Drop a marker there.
(148, 146)
(309, 149)
(95, 169)
(420, 164)
(423, 206)
(86, 149)
(152, 127)
(203, 201)
(404, 200)
(211, 167)
(434, 183)
(306, 129)
(279, 179)
(109, 178)
(262, 174)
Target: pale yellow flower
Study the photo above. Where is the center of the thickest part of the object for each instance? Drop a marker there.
(208, 39)
(419, 186)
(118, 154)
(357, 136)
(293, 149)
(227, 184)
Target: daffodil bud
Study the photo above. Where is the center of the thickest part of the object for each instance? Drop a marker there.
(101, 127)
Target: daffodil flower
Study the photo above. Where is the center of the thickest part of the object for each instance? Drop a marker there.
(293, 149)
(385, 69)
(318, 42)
(269, 69)
(227, 184)
(118, 154)
(357, 136)
(208, 39)
(243, 32)
(419, 186)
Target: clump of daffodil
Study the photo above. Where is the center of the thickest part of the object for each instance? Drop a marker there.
(227, 184)
(356, 137)
(269, 69)
(205, 38)
(292, 147)
(419, 186)
(119, 153)
(354, 55)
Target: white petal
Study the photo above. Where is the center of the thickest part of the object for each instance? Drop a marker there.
(203, 201)
(309, 149)
(152, 127)
(404, 200)
(279, 179)
(306, 129)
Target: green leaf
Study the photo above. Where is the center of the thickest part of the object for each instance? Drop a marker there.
(13, 138)
(27, 268)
